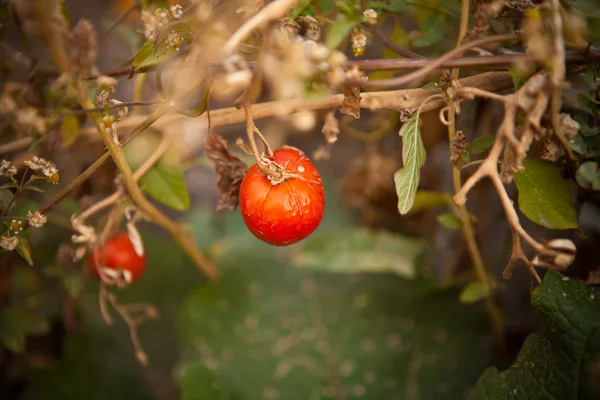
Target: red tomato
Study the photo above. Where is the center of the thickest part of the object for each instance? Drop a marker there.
(288, 212)
(119, 259)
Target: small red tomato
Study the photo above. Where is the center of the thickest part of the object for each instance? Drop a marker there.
(120, 262)
(285, 213)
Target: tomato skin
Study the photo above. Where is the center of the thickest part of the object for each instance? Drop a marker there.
(286, 213)
(117, 253)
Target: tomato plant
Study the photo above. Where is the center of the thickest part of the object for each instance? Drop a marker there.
(118, 260)
(285, 213)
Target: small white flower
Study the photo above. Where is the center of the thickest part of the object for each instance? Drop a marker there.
(176, 11)
(9, 242)
(370, 16)
(37, 219)
(7, 168)
(174, 40)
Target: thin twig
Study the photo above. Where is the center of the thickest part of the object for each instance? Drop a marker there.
(376, 31)
(466, 225)
(272, 11)
(430, 66)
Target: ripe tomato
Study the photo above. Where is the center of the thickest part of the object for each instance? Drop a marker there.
(119, 260)
(287, 212)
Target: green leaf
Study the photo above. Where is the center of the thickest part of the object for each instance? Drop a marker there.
(474, 292)
(326, 6)
(481, 144)
(24, 249)
(16, 323)
(360, 250)
(556, 362)
(156, 52)
(165, 183)
(413, 157)
(432, 31)
(267, 329)
(69, 129)
(588, 175)
(5, 197)
(391, 5)
(339, 30)
(449, 221)
(298, 10)
(544, 197)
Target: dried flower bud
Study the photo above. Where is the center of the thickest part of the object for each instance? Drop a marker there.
(122, 110)
(37, 219)
(7, 168)
(309, 27)
(568, 126)
(322, 153)
(304, 120)
(47, 168)
(331, 128)
(102, 98)
(359, 41)
(9, 242)
(84, 50)
(370, 16)
(460, 148)
(566, 250)
(104, 80)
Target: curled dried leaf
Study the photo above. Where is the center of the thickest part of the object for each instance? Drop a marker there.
(351, 104)
(331, 127)
(230, 171)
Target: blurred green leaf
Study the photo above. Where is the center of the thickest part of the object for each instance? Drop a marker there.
(300, 7)
(24, 249)
(339, 30)
(432, 30)
(5, 196)
(360, 250)
(407, 178)
(588, 175)
(449, 221)
(156, 52)
(69, 129)
(481, 144)
(165, 183)
(16, 323)
(554, 363)
(267, 329)
(326, 6)
(431, 85)
(425, 199)
(390, 5)
(544, 197)
(473, 292)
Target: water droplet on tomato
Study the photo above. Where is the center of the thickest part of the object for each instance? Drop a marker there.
(301, 169)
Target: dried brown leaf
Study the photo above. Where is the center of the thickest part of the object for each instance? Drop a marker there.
(351, 104)
(230, 171)
(331, 127)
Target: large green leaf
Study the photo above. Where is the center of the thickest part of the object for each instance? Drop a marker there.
(544, 196)
(413, 158)
(554, 364)
(360, 250)
(165, 182)
(269, 330)
(391, 5)
(481, 144)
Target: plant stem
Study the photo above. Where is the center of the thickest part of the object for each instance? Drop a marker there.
(467, 228)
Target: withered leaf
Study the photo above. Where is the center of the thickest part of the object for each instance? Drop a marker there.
(351, 104)
(330, 127)
(230, 171)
